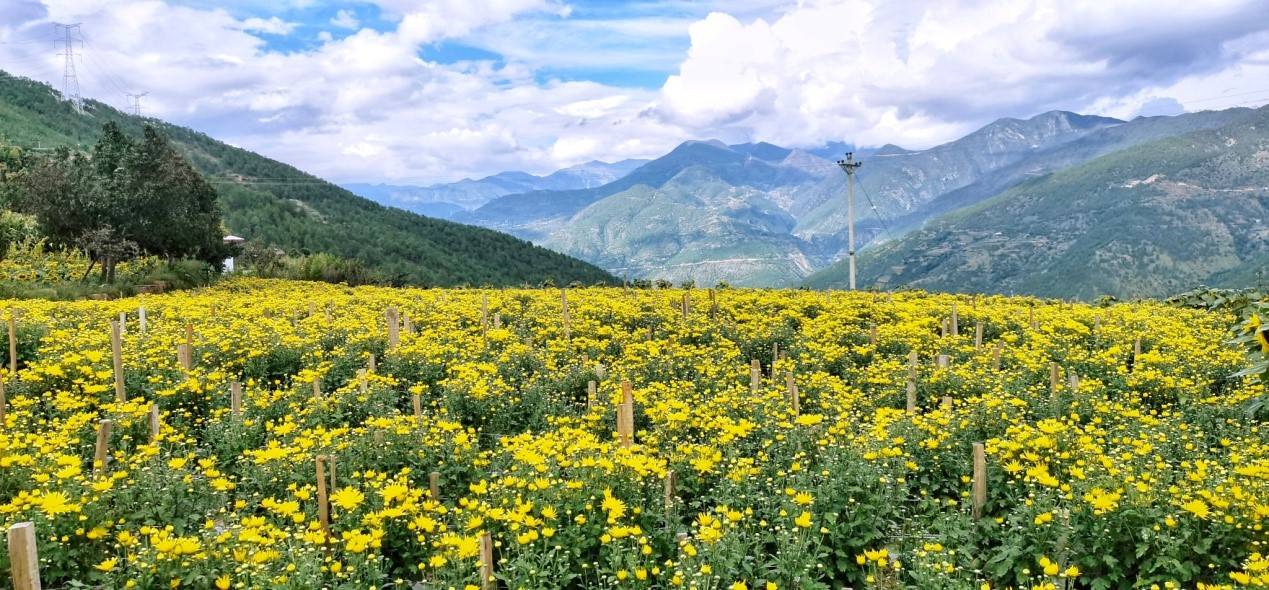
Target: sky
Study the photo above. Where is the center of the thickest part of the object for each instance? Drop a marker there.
(423, 91)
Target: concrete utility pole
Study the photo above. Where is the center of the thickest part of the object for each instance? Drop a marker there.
(849, 165)
(70, 78)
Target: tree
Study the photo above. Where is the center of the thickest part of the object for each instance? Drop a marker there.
(125, 199)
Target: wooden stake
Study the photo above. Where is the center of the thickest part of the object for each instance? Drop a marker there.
(102, 454)
(669, 495)
(141, 324)
(943, 361)
(184, 357)
(947, 403)
(362, 385)
(956, 330)
(330, 465)
(123, 322)
(155, 425)
(978, 334)
(755, 375)
(408, 324)
(317, 387)
(417, 401)
(713, 305)
(687, 305)
(497, 319)
(323, 501)
(1073, 382)
(590, 394)
(791, 391)
(116, 357)
(872, 334)
(13, 344)
(625, 424)
(912, 365)
(487, 581)
(394, 328)
(373, 365)
(434, 485)
(568, 328)
(189, 338)
(995, 355)
(943, 328)
(24, 561)
(235, 398)
(1055, 376)
(4, 404)
(912, 395)
(980, 479)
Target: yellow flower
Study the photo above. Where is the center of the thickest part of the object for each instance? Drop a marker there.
(347, 498)
(223, 582)
(107, 565)
(803, 520)
(1197, 508)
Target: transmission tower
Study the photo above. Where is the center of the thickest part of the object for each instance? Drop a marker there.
(849, 165)
(136, 102)
(69, 36)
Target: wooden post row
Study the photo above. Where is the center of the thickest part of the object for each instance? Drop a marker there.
(980, 480)
(116, 357)
(24, 561)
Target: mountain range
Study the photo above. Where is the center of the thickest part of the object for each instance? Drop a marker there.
(448, 199)
(274, 204)
(765, 215)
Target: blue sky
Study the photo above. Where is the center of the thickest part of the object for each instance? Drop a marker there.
(420, 91)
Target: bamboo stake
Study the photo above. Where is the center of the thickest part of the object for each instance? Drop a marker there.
(235, 398)
(24, 561)
(980, 479)
(791, 390)
(155, 425)
(323, 500)
(434, 485)
(102, 454)
(487, 581)
(755, 375)
(116, 357)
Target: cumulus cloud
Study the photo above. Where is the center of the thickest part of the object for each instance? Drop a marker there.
(916, 72)
(345, 19)
(366, 106)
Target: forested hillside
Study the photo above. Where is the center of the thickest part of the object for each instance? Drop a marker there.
(1152, 220)
(269, 202)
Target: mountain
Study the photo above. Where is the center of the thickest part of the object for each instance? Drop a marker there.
(1157, 218)
(272, 203)
(449, 199)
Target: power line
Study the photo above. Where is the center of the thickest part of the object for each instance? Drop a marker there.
(136, 102)
(885, 226)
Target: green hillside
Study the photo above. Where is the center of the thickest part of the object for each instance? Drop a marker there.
(300, 212)
(1151, 220)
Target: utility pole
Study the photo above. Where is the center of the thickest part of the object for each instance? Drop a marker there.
(70, 79)
(849, 165)
(136, 102)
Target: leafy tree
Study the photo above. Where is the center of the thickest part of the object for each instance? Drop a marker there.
(127, 198)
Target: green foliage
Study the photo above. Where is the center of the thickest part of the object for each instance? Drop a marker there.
(302, 213)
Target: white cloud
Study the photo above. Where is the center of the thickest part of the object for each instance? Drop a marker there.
(365, 106)
(918, 73)
(271, 26)
(345, 19)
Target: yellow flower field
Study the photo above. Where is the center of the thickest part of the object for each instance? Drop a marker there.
(1119, 470)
